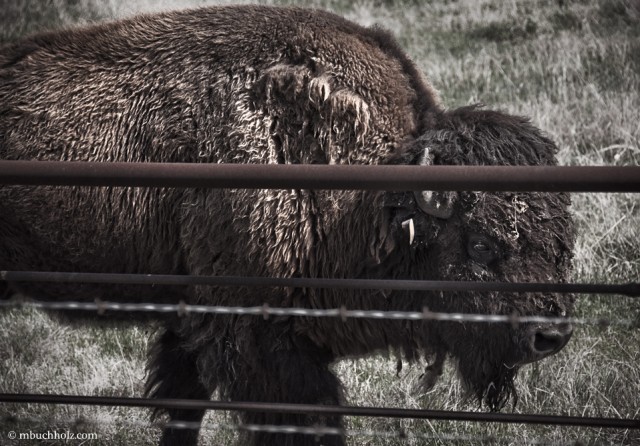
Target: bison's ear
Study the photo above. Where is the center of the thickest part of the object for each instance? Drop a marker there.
(436, 204)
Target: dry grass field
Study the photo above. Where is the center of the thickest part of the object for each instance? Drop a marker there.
(573, 66)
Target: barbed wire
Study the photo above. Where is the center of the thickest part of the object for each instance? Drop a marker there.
(316, 431)
(266, 311)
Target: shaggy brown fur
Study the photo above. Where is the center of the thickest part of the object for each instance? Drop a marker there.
(273, 85)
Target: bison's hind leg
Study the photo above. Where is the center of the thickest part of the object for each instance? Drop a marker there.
(173, 373)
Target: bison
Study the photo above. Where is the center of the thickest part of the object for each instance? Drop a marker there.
(267, 85)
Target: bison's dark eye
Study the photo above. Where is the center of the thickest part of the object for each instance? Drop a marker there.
(482, 249)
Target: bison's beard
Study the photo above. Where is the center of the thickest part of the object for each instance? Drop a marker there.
(487, 362)
(491, 384)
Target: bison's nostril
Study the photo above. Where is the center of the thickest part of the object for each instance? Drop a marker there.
(547, 342)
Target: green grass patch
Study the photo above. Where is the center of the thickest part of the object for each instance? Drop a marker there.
(613, 13)
(565, 21)
(510, 31)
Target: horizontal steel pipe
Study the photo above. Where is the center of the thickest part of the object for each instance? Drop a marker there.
(631, 289)
(307, 176)
(620, 423)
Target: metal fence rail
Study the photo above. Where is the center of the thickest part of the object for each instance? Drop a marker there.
(629, 289)
(326, 410)
(313, 176)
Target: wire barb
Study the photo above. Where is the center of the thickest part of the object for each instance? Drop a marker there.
(100, 306)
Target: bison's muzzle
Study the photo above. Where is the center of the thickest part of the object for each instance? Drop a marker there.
(545, 340)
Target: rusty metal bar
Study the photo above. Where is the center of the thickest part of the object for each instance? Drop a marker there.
(620, 423)
(630, 289)
(305, 176)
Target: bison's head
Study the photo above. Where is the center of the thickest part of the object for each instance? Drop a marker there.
(486, 236)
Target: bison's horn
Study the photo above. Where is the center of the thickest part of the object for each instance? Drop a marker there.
(409, 229)
(437, 204)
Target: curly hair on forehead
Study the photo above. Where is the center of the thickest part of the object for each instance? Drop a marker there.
(540, 218)
(472, 135)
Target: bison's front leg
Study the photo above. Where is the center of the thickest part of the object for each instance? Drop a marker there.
(4, 290)
(173, 373)
(284, 368)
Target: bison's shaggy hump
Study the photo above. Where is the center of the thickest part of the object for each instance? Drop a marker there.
(183, 66)
(253, 84)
